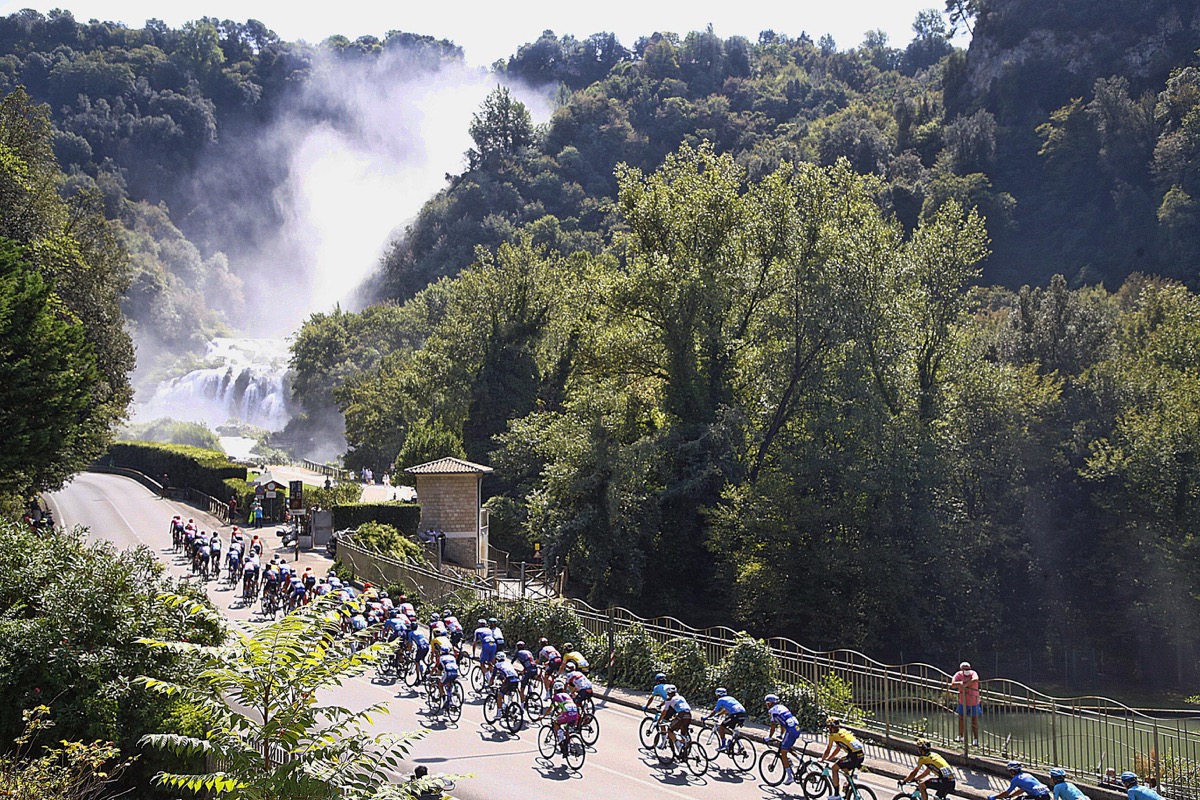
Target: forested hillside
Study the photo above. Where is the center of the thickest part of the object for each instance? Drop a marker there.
(881, 346)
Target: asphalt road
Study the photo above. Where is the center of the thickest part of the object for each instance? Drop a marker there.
(506, 767)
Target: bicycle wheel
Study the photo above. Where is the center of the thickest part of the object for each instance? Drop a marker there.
(770, 768)
(513, 719)
(696, 759)
(648, 733)
(587, 707)
(455, 706)
(432, 695)
(576, 752)
(863, 792)
(546, 742)
(534, 706)
(710, 739)
(412, 674)
(490, 709)
(815, 784)
(476, 677)
(664, 748)
(741, 751)
(589, 730)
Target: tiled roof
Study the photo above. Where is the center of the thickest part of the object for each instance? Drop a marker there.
(448, 466)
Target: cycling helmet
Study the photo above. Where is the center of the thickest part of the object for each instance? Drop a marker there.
(659, 677)
(833, 722)
(446, 612)
(559, 686)
(1058, 774)
(501, 656)
(670, 690)
(568, 647)
(482, 623)
(721, 692)
(771, 699)
(493, 622)
(520, 645)
(381, 594)
(570, 665)
(923, 746)
(1015, 766)
(445, 649)
(1129, 778)
(543, 641)
(403, 598)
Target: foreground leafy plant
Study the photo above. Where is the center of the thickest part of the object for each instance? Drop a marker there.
(266, 737)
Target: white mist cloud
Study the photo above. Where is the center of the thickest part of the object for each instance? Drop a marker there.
(356, 180)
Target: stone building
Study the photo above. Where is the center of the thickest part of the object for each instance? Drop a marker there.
(450, 493)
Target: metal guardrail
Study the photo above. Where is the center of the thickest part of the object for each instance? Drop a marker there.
(904, 701)
(337, 473)
(433, 585)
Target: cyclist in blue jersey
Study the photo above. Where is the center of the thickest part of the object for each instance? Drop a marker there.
(529, 668)
(420, 646)
(485, 641)
(506, 678)
(1022, 782)
(789, 727)
(732, 714)
(1062, 788)
(448, 666)
(1130, 781)
(659, 692)
(394, 627)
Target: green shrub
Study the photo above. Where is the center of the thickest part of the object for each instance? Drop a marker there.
(529, 620)
(342, 493)
(835, 696)
(387, 539)
(690, 671)
(191, 467)
(636, 658)
(405, 516)
(801, 700)
(748, 672)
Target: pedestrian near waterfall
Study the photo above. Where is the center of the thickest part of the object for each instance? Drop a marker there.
(966, 683)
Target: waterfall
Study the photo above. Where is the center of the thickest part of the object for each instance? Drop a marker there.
(242, 381)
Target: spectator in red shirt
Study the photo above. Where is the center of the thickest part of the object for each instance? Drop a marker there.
(966, 683)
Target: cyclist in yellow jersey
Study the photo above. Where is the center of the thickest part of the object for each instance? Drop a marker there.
(931, 772)
(845, 751)
(439, 641)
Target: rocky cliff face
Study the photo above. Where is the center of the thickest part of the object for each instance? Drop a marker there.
(1029, 57)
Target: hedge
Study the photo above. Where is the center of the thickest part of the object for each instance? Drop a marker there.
(185, 466)
(404, 516)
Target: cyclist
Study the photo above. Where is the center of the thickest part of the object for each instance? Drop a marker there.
(579, 683)
(215, 551)
(497, 634)
(659, 692)
(486, 643)
(550, 659)
(506, 679)
(564, 711)
(1062, 788)
(571, 654)
(202, 555)
(1130, 781)
(406, 608)
(453, 627)
(677, 714)
(394, 627)
(732, 714)
(931, 772)
(420, 646)
(844, 751)
(448, 667)
(250, 573)
(789, 728)
(529, 668)
(1022, 782)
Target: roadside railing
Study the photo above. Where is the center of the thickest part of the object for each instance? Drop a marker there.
(432, 585)
(337, 473)
(906, 701)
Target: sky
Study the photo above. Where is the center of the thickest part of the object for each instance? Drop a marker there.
(490, 31)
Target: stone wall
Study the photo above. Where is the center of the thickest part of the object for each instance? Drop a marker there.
(450, 504)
